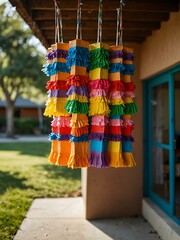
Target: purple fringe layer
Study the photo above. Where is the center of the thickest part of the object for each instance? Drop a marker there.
(116, 54)
(128, 56)
(98, 136)
(80, 90)
(57, 54)
(127, 138)
(98, 159)
(57, 93)
(110, 137)
(115, 137)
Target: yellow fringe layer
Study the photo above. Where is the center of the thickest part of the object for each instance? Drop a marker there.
(117, 158)
(56, 107)
(100, 108)
(98, 45)
(128, 100)
(115, 154)
(77, 97)
(60, 152)
(99, 99)
(117, 101)
(128, 159)
(98, 73)
(79, 155)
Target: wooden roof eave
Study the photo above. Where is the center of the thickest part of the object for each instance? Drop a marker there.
(22, 10)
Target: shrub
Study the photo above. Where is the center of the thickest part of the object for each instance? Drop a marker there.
(2, 124)
(46, 125)
(25, 125)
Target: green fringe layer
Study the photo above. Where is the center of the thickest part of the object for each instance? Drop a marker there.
(99, 63)
(116, 110)
(130, 108)
(99, 58)
(74, 106)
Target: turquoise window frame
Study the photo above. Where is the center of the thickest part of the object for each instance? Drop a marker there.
(165, 77)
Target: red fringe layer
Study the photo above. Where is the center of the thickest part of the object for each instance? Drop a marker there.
(57, 85)
(77, 80)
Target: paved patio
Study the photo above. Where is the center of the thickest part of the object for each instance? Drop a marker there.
(63, 219)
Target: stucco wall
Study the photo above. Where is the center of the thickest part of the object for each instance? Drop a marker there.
(117, 192)
(161, 50)
(29, 112)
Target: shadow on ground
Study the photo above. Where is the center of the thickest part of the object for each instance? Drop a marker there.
(28, 148)
(56, 172)
(126, 228)
(8, 180)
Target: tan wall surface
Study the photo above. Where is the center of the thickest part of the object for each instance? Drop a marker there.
(162, 49)
(118, 192)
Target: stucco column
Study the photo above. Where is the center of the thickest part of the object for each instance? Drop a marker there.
(111, 192)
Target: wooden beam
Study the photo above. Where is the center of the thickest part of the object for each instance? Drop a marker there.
(41, 15)
(92, 25)
(106, 33)
(107, 40)
(131, 5)
(107, 36)
(139, 17)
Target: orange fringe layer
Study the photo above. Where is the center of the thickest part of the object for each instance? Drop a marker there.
(60, 152)
(79, 155)
(79, 131)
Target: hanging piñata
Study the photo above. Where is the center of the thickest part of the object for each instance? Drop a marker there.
(98, 90)
(122, 105)
(130, 107)
(116, 106)
(58, 71)
(77, 102)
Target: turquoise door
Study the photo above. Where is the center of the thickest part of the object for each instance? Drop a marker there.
(162, 141)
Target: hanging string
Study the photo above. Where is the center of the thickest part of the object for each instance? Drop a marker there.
(119, 29)
(58, 23)
(79, 25)
(99, 31)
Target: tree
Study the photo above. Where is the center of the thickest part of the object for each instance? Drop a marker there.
(20, 62)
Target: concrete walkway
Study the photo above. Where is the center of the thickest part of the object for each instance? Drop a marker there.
(42, 138)
(63, 219)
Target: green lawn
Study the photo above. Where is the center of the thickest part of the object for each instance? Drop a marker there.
(25, 174)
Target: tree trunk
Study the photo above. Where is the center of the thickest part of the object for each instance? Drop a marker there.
(10, 119)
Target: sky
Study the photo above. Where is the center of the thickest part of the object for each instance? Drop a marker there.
(34, 40)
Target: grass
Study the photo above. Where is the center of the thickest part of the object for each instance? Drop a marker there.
(25, 174)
